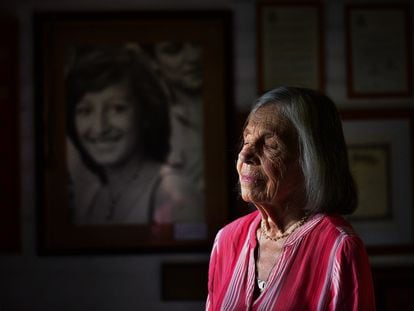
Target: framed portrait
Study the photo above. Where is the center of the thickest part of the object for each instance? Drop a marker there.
(380, 149)
(132, 111)
(10, 234)
(378, 39)
(289, 45)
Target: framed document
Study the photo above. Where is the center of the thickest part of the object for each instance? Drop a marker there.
(380, 147)
(132, 129)
(370, 169)
(289, 45)
(378, 51)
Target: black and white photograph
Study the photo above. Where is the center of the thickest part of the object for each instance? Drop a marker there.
(135, 133)
(134, 130)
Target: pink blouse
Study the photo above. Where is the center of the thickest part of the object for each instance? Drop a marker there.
(323, 266)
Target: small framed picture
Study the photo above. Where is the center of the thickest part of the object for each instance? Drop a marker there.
(378, 39)
(370, 166)
(380, 148)
(290, 45)
(132, 129)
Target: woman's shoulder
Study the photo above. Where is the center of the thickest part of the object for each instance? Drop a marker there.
(331, 234)
(350, 246)
(336, 228)
(339, 224)
(238, 229)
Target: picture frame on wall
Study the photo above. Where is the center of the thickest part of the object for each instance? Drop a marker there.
(290, 45)
(378, 40)
(131, 111)
(370, 165)
(380, 149)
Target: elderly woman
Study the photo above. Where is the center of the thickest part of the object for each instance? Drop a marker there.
(119, 124)
(295, 252)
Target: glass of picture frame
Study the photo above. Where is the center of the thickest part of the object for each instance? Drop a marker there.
(59, 38)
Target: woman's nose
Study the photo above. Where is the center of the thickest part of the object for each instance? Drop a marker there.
(248, 156)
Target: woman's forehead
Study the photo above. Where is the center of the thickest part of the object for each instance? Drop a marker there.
(268, 118)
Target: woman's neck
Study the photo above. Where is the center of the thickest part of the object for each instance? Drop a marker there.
(278, 219)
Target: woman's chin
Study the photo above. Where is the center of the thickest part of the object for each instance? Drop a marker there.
(252, 198)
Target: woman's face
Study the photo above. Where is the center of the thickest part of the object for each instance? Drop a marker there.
(104, 122)
(180, 64)
(267, 164)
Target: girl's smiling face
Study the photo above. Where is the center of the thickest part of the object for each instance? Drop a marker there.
(105, 124)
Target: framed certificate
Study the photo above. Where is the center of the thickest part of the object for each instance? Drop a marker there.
(378, 51)
(380, 148)
(289, 45)
(370, 165)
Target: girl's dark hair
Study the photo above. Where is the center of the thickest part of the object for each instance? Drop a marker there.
(94, 68)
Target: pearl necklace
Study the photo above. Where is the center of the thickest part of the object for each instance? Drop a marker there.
(263, 231)
(283, 235)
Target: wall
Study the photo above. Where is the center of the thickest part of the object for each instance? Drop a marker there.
(131, 282)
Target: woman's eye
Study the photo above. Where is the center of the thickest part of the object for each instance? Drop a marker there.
(270, 142)
(270, 145)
